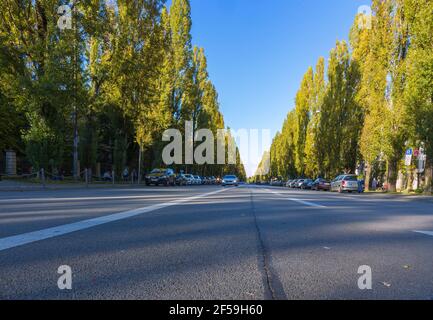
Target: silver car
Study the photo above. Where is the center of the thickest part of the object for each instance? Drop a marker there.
(230, 180)
(299, 183)
(345, 182)
(197, 180)
(189, 178)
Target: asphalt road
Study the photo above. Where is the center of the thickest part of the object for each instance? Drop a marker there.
(214, 243)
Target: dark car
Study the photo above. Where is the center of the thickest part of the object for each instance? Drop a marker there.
(321, 184)
(165, 177)
(277, 182)
(306, 184)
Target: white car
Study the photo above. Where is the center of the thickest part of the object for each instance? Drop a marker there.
(230, 180)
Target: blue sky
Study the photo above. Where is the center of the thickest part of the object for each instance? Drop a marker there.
(259, 50)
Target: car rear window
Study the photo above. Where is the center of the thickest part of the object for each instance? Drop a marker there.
(350, 178)
(229, 177)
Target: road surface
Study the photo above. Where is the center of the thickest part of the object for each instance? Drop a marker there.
(214, 243)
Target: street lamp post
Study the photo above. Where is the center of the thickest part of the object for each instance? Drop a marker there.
(75, 108)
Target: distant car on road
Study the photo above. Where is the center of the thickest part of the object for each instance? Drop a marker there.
(346, 182)
(230, 180)
(157, 177)
(321, 184)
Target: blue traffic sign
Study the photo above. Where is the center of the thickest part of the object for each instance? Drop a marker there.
(409, 152)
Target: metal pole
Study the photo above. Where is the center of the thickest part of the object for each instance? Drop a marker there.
(43, 178)
(86, 173)
(75, 115)
(139, 164)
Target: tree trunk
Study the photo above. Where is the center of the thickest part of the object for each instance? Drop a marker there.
(409, 186)
(428, 178)
(367, 176)
(140, 152)
(392, 176)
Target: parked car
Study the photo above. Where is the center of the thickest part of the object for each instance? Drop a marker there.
(293, 183)
(299, 183)
(321, 184)
(165, 177)
(197, 180)
(183, 180)
(230, 180)
(190, 179)
(277, 182)
(347, 182)
(306, 184)
(288, 183)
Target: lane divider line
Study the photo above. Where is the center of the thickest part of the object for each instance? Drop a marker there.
(15, 201)
(428, 233)
(30, 237)
(307, 203)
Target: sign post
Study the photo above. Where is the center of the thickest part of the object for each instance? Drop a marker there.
(420, 165)
(408, 160)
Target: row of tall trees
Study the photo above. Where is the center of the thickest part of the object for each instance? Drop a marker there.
(122, 74)
(375, 101)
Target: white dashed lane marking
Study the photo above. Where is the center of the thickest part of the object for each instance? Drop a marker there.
(306, 203)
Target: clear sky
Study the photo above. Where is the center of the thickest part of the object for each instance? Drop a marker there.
(258, 51)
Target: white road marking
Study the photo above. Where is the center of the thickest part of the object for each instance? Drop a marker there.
(307, 203)
(30, 237)
(78, 199)
(428, 233)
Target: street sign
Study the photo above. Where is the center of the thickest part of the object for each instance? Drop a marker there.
(416, 153)
(409, 152)
(421, 163)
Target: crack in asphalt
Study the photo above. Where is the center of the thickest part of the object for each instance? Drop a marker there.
(273, 286)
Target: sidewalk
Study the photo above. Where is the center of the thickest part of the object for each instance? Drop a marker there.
(10, 185)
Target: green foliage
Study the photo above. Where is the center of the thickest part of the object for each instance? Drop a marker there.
(376, 100)
(44, 148)
(127, 68)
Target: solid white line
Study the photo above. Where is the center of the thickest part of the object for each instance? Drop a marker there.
(78, 199)
(429, 233)
(307, 203)
(30, 237)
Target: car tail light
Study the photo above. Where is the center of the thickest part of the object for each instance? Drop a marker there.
(343, 183)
